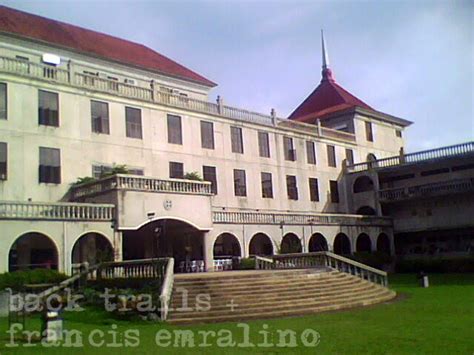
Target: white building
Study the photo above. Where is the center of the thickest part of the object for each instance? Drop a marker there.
(74, 103)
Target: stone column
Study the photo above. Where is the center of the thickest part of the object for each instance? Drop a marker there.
(118, 252)
(208, 251)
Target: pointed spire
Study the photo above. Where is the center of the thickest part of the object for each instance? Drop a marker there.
(326, 72)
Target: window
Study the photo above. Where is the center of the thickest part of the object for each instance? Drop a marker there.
(3, 101)
(50, 165)
(236, 140)
(368, 132)
(48, 108)
(100, 117)
(176, 170)
(398, 133)
(311, 152)
(350, 156)
(313, 189)
(267, 188)
(207, 135)
(3, 161)
(289, 150)
(133, 119)
(99, 170)
(291, 187)
(263, 145)
(209, 174)
(240, 185)
(174, 130)
(334, 189)
(331, 156)
(136, 171)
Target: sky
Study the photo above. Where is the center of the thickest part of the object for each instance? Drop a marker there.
(410, 59)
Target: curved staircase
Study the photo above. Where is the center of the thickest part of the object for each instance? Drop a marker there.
(260, 294)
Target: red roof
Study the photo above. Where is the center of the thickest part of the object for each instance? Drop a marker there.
(93, 43)
(327, 98)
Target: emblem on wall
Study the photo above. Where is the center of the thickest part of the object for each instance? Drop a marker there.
(167, 204)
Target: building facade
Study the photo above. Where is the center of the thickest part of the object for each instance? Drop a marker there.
(103, 142)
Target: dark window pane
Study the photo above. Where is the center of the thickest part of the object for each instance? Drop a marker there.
(48, 107)
(267, 187)
(334, 191)
(311, 152)
(313, 189)
(207, 135)
(50, 165)
(3, 161)
(263, 145)
(133, 120)
(240, 184)
(289, 150)
(176, 170)
(174, 130)
(236, 140)
(100, 117)
(209, 174)
(350, 156)
(3, 101)
(331, 156)
(368, 132)
(398, 133)
(291, 187)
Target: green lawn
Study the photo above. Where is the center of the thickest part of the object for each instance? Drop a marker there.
(439, 319)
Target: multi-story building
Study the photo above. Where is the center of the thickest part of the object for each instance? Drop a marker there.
(102, 141)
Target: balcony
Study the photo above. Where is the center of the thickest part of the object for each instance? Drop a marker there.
(55, 211)
(250, 217)
(152, 95)
(427, 190)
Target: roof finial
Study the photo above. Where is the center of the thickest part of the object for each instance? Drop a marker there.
(326, 72)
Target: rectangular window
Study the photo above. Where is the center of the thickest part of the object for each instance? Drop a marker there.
(176, 170)
(311, 152)
(398, 133)
(368, 132)
(100, 117)
(133, 120)
(291, 187)
(3, 161)
(49, 165)
(209, 174)
(236, 140)
(331, 156)
(334, 189)
(207, 135)
(313, 189)
(289, 150)
(263, 145)
(240, 184)
(267, 186)
(48, 108)
(3, 101)
(350, 156)
(175, 135)
(98, 171)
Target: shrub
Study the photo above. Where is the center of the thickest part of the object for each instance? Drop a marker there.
(84, 180)
(193, 175)
(17, 279)
(247, 264)
(376, 259)
(436, 264)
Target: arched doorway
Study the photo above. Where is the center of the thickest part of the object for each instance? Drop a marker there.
(363, 243)
(318, 243)
(342, 244)
(33, 251)
(226, 246)
(383, 243)
(93, 248)
(291, 244)
(363, 184)
(366, 211)
(371, 160)
(166, 238)
(261, 245)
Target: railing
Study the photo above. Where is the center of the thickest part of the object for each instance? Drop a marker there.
(412, 158)
(141, 183)
(322, 259)
(56, 211)
(148, 94)
(433, 189)
(132, 269)
(241, 217)
(167, 289)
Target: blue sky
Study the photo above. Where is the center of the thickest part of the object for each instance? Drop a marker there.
(412, 59)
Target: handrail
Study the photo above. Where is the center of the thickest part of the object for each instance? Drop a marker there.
(167, 289)
(138, 269)
(262, 263)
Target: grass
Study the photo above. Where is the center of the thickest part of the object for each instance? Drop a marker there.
(439, 319)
